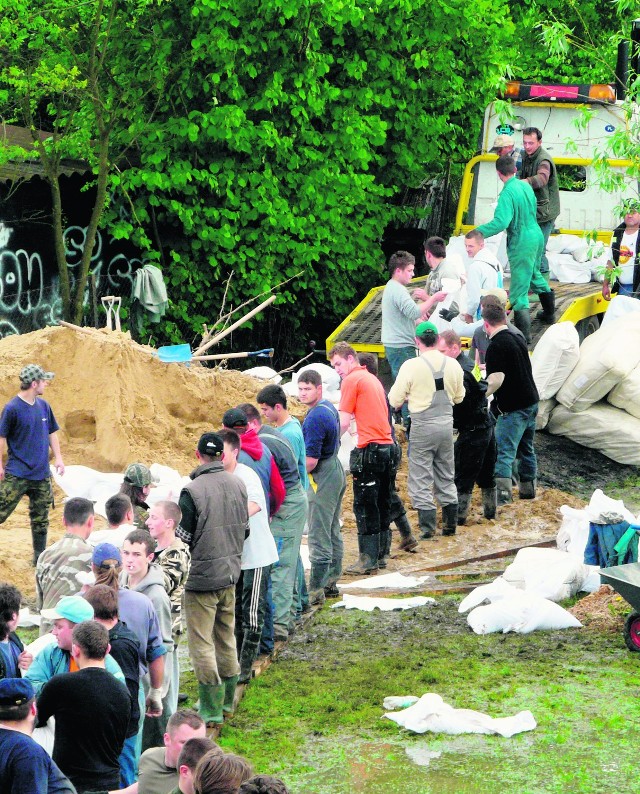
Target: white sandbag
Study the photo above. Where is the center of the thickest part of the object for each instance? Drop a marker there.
(545, 407)
(26, 619)
(494, 591)
(348, 442)
(264, 373)
(611, 431)
(565, 269)
(574, 532)
(368, 603)
(593, 582)
(565, 243)
(432, 714)
(620, 306)
(602, 509)
(606, 357)
(522, 614)
(330, 378)
(626, 395)
(554, 357)
(548, 573)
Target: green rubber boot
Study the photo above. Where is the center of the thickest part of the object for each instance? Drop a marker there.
(229, 693)
(211, 702)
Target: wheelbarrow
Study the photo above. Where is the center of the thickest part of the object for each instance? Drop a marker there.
(625, 580)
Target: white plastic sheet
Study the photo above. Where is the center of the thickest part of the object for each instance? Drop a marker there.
(368, 604)
(432, 714)
(398, 581)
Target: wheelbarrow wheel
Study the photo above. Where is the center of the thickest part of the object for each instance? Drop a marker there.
(632, 632)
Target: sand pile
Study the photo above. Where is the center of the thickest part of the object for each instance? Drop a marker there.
(603, 610)
(116, 403)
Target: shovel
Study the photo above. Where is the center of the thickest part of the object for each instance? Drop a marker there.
(180, 354)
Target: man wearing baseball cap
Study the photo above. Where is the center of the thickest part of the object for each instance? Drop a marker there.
(56, 658)
(432, 383)
(24, 765)
(28, 429)
(505, 146)
(215, 523)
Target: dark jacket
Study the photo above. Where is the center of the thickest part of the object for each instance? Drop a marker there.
(548, 197)
(473, 411)
(13, 640)
(616, 240)
(221, 523)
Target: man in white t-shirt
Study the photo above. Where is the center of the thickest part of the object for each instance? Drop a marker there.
(484, 273)
(624, 254)
(119, 512)
(258, 555)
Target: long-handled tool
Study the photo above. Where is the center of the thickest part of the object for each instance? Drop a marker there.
(180, 354)
(112, 305)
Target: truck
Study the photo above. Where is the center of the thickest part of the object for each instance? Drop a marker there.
(573, 138)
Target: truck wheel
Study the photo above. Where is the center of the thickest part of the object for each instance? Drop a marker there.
(632, 632)
(587, 327)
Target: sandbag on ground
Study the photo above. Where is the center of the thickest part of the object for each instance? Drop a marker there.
(545, 407)
(606, 358)
(548, 573)
(554, 358)
(611, 431)
(626, 395)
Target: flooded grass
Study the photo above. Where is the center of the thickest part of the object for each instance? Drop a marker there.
(315, 717)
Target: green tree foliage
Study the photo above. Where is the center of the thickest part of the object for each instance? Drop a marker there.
(72, 74)
(281, 144)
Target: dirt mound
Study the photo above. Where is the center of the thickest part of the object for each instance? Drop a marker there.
(117, 403)
(603, 610)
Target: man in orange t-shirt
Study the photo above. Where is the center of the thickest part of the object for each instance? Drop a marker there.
(363, 398)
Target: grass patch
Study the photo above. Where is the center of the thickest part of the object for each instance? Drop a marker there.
(314, 718)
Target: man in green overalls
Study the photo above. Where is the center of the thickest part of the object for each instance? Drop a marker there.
(516, 212)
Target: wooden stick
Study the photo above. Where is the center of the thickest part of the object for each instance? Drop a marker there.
(90, 331)
(219, 356)
(233, 327)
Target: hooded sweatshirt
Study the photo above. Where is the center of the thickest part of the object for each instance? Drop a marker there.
(256, 456)
(485, 272)
(152, 586)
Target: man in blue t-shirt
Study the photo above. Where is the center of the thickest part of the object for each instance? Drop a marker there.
(28, 428)
(321, 430)
(25, 767)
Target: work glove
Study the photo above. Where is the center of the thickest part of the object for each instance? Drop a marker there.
(153, 706)
(450, 313)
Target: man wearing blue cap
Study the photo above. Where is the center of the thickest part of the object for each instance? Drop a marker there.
(56, 658)
(432, 384)
(25, 767)
(28, 429)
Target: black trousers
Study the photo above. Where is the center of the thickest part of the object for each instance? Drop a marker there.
(475, 459)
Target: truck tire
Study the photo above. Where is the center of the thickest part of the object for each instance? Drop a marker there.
(631, 632)
(587, 327)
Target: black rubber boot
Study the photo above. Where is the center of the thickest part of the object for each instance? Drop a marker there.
(318, 577)
(464, 500)
(449, 519)
(385, 548)
(427, 520)
(407, 540)
(489, 502)
(527, 490)
(367, 562)
(504, 490)
(547, 313)
(522, 321)
(248, 655)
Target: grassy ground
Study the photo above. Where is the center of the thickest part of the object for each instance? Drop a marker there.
(314, 718)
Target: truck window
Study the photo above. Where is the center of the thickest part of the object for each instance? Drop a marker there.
(572, 178)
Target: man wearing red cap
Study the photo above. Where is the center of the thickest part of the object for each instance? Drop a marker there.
(432, 383)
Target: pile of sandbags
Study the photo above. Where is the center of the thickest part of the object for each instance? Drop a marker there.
(572, 259)
(552, 361)
(597, 406)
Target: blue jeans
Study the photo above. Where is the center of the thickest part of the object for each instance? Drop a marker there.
(546, 229)
(286, 527)
(396, 356)
(128, 761)
(515, 432)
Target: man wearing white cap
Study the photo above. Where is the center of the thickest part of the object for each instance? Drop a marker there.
(28, 429)
(505, 146)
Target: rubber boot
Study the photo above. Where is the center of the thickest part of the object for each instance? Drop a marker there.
(427, 520)
(248, 655)
(489, 502)
(331, 590)
(229, 694)
(504, 488)
(547, 313)
(464, 499)
(527, 490)
(522, 321)
(449, 519)
(317, 579)
(211, 703)
(39, 542)
(385, 548)
(367, 562)
(407, 540)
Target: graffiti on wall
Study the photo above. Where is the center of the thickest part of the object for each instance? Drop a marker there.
(29, 282)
